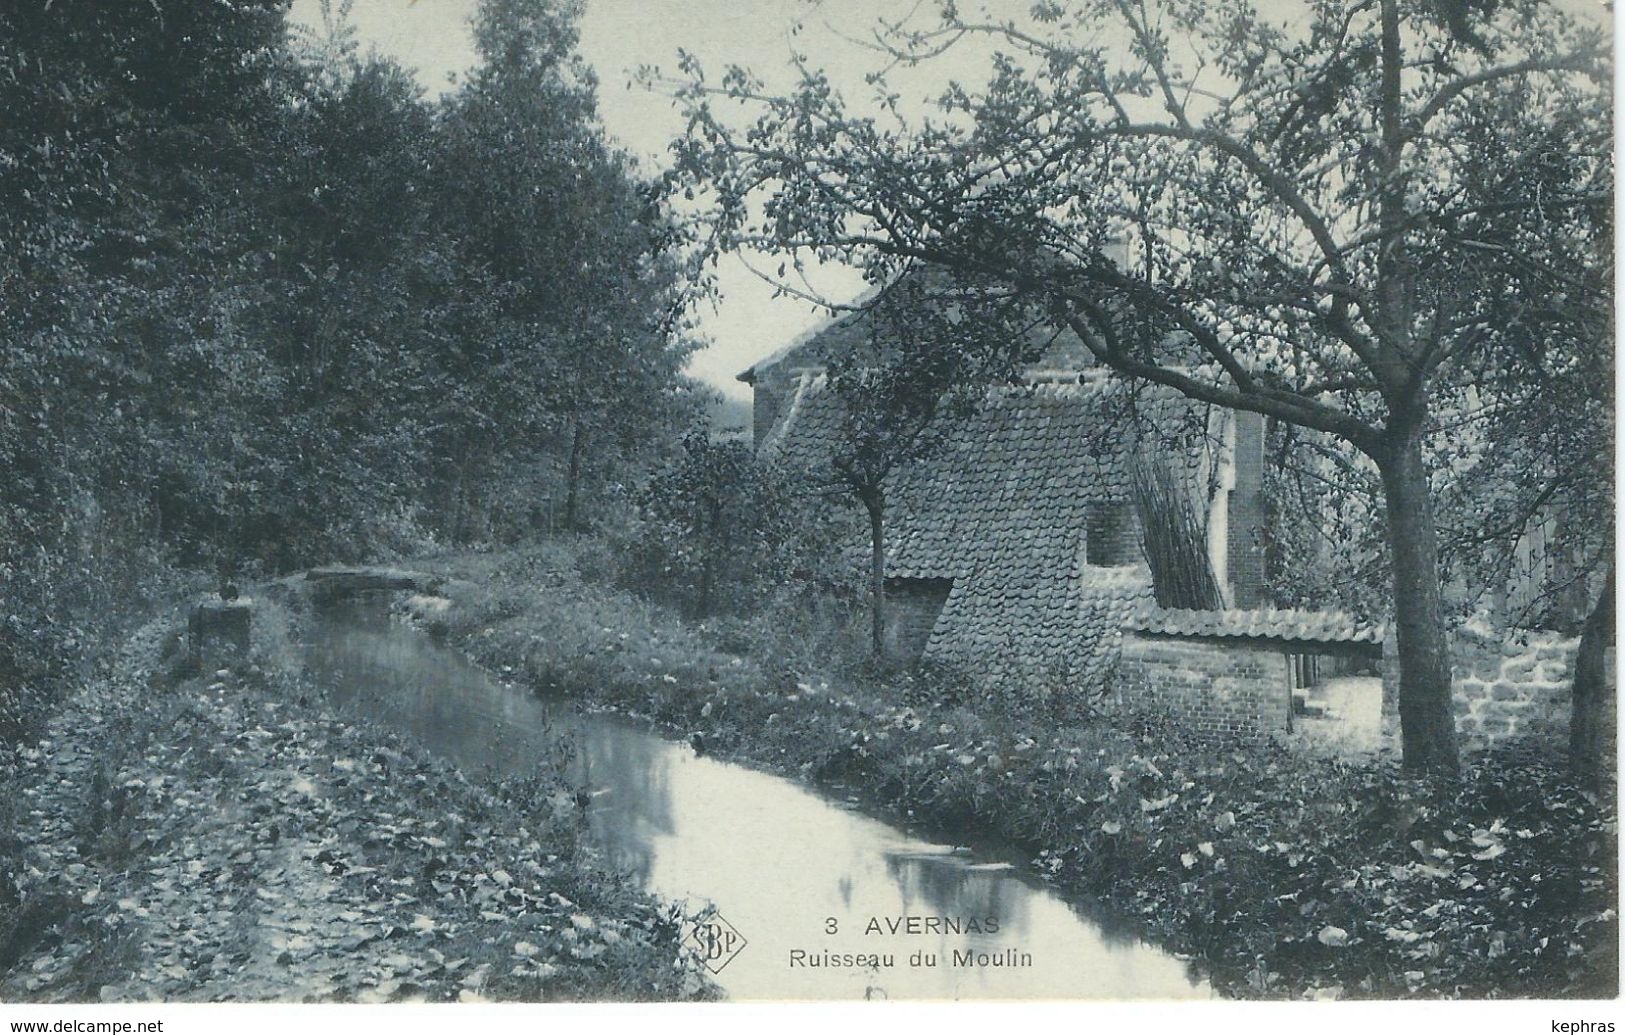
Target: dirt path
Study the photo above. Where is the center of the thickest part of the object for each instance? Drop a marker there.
(227, 839)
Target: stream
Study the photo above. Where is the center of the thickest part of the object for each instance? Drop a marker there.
(913, 918)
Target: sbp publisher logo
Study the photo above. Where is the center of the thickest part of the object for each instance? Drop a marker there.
(715, 940)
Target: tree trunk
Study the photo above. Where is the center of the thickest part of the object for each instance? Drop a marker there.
(876, 506)
(572, 493)
(455, 505)
(1589, 724)
(702, 606)
(1427, 720)
(709, 559)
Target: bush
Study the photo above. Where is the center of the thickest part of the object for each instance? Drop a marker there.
(1241, 856)
(718, 531)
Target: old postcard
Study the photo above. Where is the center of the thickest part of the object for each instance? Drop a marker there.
(605, 501)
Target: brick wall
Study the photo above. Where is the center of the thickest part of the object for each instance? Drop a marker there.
(1245, 549)
(912, 607)
(1112, 536)
(1219, 688)
(1505, 684)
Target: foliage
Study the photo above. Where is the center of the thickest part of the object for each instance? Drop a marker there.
(1324, 528)
(720, 530)
(1525, 522)
(934, 342)
(576, 344)
(107, 252)
(1528, 511)
(1350, 221)
(267, 305)
(1279, 874)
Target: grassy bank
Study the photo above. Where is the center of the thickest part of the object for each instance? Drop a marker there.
(1280, 876)
(229, 837)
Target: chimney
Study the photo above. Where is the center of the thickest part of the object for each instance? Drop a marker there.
(1245, 527)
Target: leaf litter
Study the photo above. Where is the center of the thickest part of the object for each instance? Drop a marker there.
(245, 844)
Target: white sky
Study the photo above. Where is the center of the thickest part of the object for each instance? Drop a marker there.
(617, 36)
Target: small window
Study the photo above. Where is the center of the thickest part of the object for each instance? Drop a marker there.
(1110, 541)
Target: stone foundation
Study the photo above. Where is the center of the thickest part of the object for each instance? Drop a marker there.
(1505, 684)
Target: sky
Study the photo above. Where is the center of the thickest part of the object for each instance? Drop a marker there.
(618, 36)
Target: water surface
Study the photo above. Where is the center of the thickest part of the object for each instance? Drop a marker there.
(782, 863)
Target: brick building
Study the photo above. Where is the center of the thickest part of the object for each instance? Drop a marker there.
(1238, 674)
(1013, 552)
(1014, 548)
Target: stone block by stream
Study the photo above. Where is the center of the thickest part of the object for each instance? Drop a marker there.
(219, 629)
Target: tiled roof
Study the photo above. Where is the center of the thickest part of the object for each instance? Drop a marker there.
(1036, 623)
(1001, 507)
(1008, 488)
(1313, 626)
(815, 346)
(851, 330)
(1011, 486)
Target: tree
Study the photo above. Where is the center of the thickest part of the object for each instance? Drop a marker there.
(571, 344)
(1338, 222)
(931, 344)
(250, 293)
(1540, 479)
(1526, 505)
(127, 133)
(719, 526)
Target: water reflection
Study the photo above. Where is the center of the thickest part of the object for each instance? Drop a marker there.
(910, 919)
